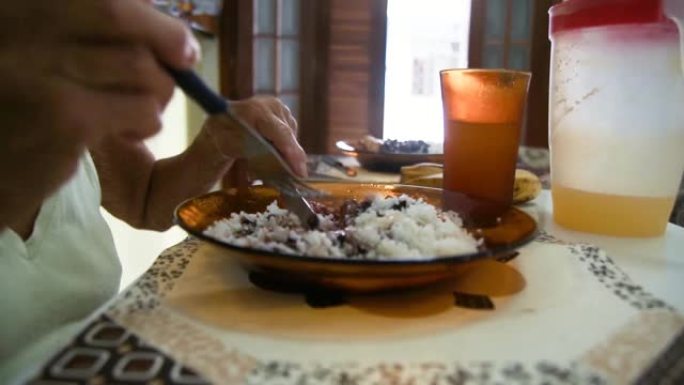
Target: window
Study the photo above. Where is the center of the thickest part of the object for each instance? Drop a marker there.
(422, 38)
(276, 50)
(425, 37)
(353, 67)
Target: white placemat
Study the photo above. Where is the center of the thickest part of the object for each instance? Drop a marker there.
(564, 313)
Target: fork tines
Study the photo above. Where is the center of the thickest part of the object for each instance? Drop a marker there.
(294, 187)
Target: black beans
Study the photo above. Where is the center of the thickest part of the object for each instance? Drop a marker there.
(399, 205)
(404, 146)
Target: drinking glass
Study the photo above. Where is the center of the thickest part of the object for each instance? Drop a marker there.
(483, 115)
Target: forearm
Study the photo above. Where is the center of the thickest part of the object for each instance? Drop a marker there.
(175, 179)
(144, 192)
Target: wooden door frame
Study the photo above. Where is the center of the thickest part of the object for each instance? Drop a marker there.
(314, 42)
(376, 91)
(535, 132)
(236, 54)
(476, 33)
(236, 77)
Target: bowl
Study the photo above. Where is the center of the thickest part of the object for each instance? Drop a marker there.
(301, 273)
(386, 161)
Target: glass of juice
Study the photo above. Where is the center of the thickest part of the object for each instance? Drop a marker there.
(616, 118)
(483, 116)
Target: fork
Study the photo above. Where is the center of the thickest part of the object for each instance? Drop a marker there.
(264, 161)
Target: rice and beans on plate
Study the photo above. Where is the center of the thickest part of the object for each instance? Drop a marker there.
(377, 228)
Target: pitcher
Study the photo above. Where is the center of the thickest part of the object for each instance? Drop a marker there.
(616, 115)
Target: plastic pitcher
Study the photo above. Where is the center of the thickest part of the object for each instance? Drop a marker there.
(616, 115)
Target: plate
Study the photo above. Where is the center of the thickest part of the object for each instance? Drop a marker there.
(384, 161)
(514, 229)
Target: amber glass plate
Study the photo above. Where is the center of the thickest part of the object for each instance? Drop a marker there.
(514, 229)
(386, 161)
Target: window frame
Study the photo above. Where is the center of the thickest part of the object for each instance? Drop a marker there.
(315, 93)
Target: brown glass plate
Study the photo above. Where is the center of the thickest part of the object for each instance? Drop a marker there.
(515, 229)
(383, 161)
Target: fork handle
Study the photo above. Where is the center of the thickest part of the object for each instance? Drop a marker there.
(197, 89)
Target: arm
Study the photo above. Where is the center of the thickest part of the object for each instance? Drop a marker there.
(73, 72)
(144, 192)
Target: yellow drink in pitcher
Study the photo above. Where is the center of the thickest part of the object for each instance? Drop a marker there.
(612, 185)
(611, 214)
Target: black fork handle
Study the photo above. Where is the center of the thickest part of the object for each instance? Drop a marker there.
(193, 86)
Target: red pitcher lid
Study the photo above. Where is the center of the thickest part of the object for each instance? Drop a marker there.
(576, 14)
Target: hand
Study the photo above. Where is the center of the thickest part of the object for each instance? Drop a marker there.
(71, 73)
(272, 119)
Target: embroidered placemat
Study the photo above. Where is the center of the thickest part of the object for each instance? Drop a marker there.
(560, 313)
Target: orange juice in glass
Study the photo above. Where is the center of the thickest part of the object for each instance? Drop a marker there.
(483, 116)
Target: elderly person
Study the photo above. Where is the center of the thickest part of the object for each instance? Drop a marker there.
(81, 85)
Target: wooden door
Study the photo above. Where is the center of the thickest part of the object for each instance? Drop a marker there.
(323, 58)
(514, 34)
(356, 69)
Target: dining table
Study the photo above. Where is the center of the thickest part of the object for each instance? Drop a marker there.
(567, 308)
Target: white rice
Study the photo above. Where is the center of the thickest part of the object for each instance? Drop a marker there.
(391, 228)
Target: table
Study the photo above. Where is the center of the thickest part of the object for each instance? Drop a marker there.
(571, 308)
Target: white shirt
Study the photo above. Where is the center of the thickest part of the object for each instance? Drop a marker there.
(52, 281)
